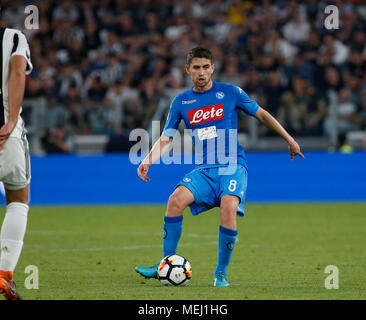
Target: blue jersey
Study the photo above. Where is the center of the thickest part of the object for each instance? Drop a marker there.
(212, 120)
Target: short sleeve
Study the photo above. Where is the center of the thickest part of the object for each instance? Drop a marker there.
(173, 120)
(244, 102)
(21, 47)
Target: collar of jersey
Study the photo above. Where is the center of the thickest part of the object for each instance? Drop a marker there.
(209, 90)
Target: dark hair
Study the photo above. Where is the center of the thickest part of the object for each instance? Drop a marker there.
(199, 52)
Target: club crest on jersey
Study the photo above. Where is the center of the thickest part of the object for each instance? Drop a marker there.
(206, 114)
(220, 95)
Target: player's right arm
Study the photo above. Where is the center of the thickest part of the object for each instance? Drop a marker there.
(163, 144)
(157, 151)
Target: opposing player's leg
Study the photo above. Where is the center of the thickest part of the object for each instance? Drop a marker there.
(173, 219)
(227, 237)
(12, 235)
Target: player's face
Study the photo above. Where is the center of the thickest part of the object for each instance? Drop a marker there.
(200, 70)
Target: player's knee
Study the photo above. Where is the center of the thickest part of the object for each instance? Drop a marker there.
(175, 204)
(229, 205)
(228, 218)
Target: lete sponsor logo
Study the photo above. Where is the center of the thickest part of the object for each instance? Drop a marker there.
(206, 114)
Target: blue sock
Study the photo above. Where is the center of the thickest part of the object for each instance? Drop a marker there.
(172, 232)
(227, 239)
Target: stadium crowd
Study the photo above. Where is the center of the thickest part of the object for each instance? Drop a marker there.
(103, 66)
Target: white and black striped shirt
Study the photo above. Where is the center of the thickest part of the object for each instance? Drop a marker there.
(13, 42)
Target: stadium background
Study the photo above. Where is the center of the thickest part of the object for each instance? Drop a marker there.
(104, 68)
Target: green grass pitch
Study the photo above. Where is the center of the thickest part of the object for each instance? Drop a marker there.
(283, 249)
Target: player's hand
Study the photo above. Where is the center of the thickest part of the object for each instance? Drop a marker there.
(294, 149)
(5, 132)
(142, 171)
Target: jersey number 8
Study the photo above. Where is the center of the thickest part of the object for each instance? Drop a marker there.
(232, 185)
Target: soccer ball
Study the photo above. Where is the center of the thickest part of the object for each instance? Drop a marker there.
(174, 270)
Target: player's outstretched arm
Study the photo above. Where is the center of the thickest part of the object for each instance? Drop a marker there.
(157, 151)
(270, 122)
(16, 93)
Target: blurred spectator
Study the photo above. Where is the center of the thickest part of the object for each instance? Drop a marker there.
(289, 114)
(66, 10)
(69, 77)
(335, 48)
(91, 39)
(57, 114)
(150, 97)
(78, 119)
(345, 112)
(300, 67)
(273, 91)
(115, 97)
(333, 81)
(315, 112)
(297, 28)
(55, 141)
(13, 14)
(96, 90)
(361, 112)
(310, 48)
(231, 74)
(236, 12)
(175, 30)
(282, 48)
(343, 146)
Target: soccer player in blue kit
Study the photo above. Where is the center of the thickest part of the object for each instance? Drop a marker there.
(209, 109)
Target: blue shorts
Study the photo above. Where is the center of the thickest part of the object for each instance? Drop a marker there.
(208, 186)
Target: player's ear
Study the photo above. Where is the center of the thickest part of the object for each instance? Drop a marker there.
(187, 68)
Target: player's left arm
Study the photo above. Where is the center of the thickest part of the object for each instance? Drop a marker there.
(16, 93)
(270, 122)
(20, 66)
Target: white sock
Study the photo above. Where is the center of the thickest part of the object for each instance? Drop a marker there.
(12, 234)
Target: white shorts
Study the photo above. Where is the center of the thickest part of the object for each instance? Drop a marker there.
(15, 163)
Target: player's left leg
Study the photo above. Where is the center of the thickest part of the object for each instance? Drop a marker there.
(227, 237)
(12, 235)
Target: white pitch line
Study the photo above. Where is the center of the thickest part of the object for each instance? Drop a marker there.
(118, 248)
(134, 233)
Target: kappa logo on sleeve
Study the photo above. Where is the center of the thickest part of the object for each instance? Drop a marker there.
(206, 114)
(189, 101)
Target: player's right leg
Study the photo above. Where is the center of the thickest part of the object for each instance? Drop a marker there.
(178, 201)
(15, 174)
(12, 235)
